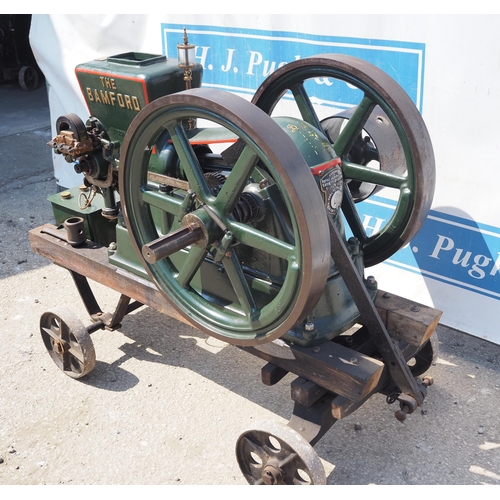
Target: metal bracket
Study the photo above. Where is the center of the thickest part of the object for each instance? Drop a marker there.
(390, 352)
(110, 321)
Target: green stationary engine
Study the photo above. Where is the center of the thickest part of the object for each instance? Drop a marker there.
(230, 212)
(243, 219)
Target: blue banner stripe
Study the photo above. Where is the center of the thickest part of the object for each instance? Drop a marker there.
(240, 59)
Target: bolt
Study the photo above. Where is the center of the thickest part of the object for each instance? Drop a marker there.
(316, 349)
(271, 475)
(112, 246)
(309, 326)
(415, 309)
(386, 296)
(354, 361)
(264, 183)
(371, 283)
(58, 346)
(354, 245)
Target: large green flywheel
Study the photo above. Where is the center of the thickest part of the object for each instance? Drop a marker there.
(237, 241)
(376, 130)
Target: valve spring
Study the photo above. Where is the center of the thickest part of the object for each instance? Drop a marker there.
(246, 209)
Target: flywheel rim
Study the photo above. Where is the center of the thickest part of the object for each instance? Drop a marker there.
(416, 190)
(261, 324)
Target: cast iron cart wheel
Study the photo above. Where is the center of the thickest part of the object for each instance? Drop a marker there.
(423, 359)
(28, 78)
(274, 454)
(379, 100)
(303, 248)
(68, 342)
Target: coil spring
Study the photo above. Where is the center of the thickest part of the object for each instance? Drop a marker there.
(246, 209)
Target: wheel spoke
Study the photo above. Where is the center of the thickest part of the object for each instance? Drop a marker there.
(305, 106)
(69, 363)
(236, 181)
(55, 334)
(188, 161)
(262, 241)
(194, 259)
(353, 127)
(164, 202)
(352, 216)
(239, 283)
(356, 172)
(255, 447)
(76, 353)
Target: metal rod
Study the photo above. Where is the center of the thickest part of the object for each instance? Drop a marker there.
(171, 243)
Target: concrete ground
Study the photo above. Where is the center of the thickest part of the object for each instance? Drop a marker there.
(165, 403)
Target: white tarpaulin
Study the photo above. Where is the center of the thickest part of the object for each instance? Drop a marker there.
(450, 67)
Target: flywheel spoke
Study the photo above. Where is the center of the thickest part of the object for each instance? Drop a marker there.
(189, 161)
(352, 216)
(354, 126)
(239, 283)
(305, 106)
(233, 186)
(164, 202)
(353, 171)
(263, 241)
(193, 261)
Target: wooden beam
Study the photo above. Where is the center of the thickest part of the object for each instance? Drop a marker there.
(272, 374)
(336, 368)
(407, 320)
(91, 260)
(305, 392)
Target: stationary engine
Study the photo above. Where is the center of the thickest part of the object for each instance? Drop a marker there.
(242, 219)
(227, 209)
